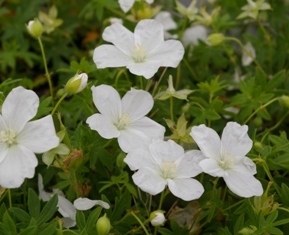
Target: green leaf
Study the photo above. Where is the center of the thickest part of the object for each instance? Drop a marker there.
(80, 220)
(31, 230)
(33, 203)
(48, 211)
(93, 217)
(8, 224)
(272, 217)
(273, 230)
(20, 214)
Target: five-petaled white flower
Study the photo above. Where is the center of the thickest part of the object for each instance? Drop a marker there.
(124, 119)
(164, 163)
(20, 139)
(125, 5)
(142, 52)
(226, 158)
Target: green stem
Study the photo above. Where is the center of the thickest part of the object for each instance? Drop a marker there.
(9, 198)
(266, 169)
(118, 76)
(278, 123)
(261, 107)
(141, 224)
(74, 182)
(189, 68)
(158, 82)
(47, 74)
(172, 108)
(163, 195)
(268, 38)
(58, 103)
(247, 52)
(141, 82)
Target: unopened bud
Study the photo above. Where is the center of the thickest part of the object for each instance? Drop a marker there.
(76, 84)
(35, 28)
(103, 225)
(215, 39)
(284, 101)
(157, 218)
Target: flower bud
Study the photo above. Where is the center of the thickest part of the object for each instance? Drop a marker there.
(157, 218)
(76, 84)
(103, 225)
(35, 28)
(215, 39)
(284, 101)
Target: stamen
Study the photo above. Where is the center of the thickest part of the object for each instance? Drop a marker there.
(123, 121)
(8, 136)
(168, 169)
(139, 53)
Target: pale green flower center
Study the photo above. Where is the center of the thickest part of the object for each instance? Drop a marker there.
(8, 136)
(227, 161)
(123, 121)
(168, 169)
(139, 53)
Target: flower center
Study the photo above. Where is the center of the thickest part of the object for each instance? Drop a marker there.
(123, 121)
(8, 136)
(227, 161)
(168, 169)
(139, 53)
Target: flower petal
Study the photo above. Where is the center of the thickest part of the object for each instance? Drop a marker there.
(68, 222)
(39, 136)
(137, 103)
(207, 140)
(109, 56)
(149, 34)
(120, 36)
(139, 158)
(189, 165)
(149, 181)
(139, 134)
(19, 163)
(165, 18)
(19, 107)
(168, 54)
(186, 189)
(165, 151)
(103, 126)
(243, 183)
(146, 69)
(125, 5)
(3, 146)
(107, 101)
(65, 208)
(43, 195)
(211, 167)
(235, 140)
(86, 204)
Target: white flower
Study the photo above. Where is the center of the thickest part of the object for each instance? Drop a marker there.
(142, 52)
(65, 207)
(125, 5)
(164, 163)
(246, 59)
(124, 119)
(193, 34)
(20, 139)
(86, 204)
(165, 18)
(226, 158)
